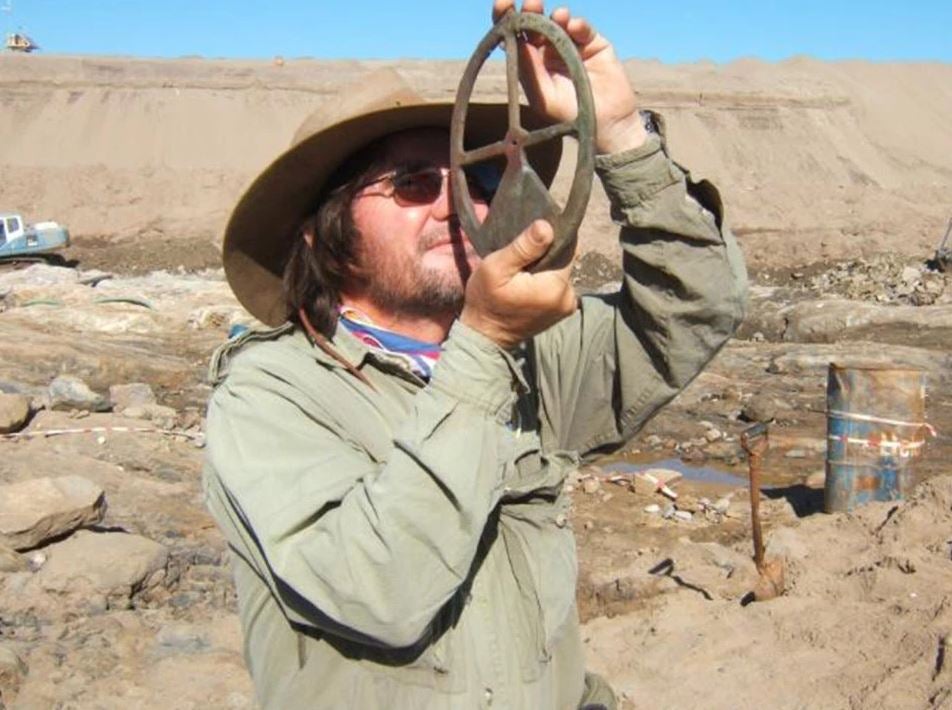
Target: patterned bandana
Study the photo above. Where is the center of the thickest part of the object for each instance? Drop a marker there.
(418, 355)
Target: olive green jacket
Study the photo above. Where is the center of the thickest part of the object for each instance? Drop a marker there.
(407, 545)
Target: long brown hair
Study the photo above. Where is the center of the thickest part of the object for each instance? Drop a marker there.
(325, 246)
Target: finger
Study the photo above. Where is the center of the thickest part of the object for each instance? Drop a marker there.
(561, 16)
(565, 273)
(501, 7)
(534, 7)
(524, 250)
(533, 38)
(580, 30)
(586, 38)
(556, 287)
(537, 6)
(533, 75)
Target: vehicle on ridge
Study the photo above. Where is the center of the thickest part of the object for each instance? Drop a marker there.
(19, 239)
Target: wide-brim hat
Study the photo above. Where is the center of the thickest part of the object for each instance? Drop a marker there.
(267, 218)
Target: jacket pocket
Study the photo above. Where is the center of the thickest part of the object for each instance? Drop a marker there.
(437, 667)
(540, 549)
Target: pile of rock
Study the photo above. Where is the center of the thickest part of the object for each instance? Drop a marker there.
(135, 400)
(656, 494)
(48, 536)
(710, 442)
(14, 412)
(55, 562)
(885, 279)
(102, 302)
(58, 561)
(690, 509)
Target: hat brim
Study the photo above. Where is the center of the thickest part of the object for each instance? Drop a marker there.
(268, 216)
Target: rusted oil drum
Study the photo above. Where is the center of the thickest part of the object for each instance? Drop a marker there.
(875, 430)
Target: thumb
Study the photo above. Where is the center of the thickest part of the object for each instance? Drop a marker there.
(527, 248)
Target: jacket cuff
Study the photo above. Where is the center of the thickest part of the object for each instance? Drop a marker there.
(473, 369)
(634, 176)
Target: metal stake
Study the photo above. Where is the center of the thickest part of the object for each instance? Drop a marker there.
(755, 442)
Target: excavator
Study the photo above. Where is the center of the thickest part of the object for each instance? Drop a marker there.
(20, 241)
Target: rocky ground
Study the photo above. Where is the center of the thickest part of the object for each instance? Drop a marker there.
(115, 591)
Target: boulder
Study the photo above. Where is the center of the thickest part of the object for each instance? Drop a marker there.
(163, 417)
(69, 392)
(34, 511)
(134, 394)
(800, 359)
(833, 321)
(14, 412)
(113, 565)
(759, 408)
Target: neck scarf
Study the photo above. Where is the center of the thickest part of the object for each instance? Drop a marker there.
(418, 355)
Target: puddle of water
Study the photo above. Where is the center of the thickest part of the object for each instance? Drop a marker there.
(696, 474)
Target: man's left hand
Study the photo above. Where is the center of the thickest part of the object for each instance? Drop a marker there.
(549, 88)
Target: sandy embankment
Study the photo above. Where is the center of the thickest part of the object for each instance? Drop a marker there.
(815, 160)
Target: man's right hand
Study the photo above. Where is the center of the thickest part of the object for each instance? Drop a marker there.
(550, 89)
(508, 304)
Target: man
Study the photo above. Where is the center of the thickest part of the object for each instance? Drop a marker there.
(388, 464)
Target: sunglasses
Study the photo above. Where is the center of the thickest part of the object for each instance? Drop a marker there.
(424, 185)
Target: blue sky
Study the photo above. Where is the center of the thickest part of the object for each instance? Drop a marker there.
(679, 31)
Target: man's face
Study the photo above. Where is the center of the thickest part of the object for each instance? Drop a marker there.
(413, 258)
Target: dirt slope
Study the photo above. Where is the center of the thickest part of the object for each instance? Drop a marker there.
(815, 160)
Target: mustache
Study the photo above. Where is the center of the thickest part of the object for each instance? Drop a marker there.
(438, 235)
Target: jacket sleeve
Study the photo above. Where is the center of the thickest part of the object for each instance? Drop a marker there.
(603, 372)
(367, 550)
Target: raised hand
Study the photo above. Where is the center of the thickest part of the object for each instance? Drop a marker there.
(508, 304)
(549, 87)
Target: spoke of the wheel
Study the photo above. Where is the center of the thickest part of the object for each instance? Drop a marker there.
(477, 155)
(512, 78)
(522, 197)
(550, 132)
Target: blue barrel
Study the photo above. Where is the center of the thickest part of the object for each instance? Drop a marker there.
(876, 429)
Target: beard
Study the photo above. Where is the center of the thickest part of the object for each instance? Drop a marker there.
(405, 286)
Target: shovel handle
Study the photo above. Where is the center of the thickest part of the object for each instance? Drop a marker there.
(755, 442)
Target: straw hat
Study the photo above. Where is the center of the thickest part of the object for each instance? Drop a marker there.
(265, 221)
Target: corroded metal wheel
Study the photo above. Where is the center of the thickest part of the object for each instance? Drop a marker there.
(522, 196)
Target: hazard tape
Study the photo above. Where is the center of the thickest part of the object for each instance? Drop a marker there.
(886, 447)
(880, 420)
(887, 443)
